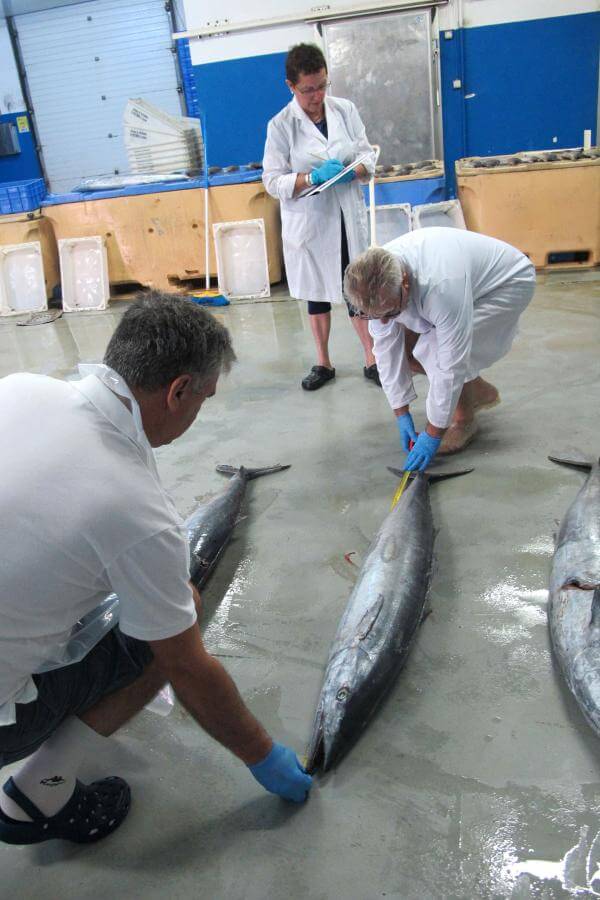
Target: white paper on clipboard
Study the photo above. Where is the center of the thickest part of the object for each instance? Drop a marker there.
(326, 184)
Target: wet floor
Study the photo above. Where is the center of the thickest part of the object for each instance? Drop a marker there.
(478, 778)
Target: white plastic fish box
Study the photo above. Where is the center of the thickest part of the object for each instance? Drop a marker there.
(242, 265)
(392, 220)
(22, 286)
(447, 214)
(84, 273)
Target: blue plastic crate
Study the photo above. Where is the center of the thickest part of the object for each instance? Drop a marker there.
(21, 196)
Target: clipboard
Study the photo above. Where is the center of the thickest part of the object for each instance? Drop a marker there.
(326, 184)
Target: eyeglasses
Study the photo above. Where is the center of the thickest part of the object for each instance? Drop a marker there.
(382, 315)
(308, 91)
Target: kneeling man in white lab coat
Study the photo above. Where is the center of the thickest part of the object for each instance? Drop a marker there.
(445, 302)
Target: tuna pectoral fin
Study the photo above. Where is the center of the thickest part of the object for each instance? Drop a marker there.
(370, 617)
(595, 617)
(315, 752)
(433, 476)
(251, 473)
(579, 463)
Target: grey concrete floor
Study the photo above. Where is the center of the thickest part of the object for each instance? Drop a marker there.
(478, 778)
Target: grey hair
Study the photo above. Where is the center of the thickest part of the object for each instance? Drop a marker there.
(162, 336)
(374, 273)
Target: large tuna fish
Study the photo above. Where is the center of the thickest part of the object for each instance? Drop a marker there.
(379, 623)
(209, 527)
(574, 600)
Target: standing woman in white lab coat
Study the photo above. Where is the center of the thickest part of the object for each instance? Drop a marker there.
(308, 142)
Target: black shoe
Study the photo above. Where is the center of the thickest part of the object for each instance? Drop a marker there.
(317, 377)
(93, 812)
(372, 374)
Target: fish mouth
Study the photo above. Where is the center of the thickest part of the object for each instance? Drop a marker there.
(328, 745)
(333, 751)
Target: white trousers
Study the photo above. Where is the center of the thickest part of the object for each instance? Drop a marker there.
(495, 326)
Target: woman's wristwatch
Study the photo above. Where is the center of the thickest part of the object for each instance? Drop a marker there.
(308, 179)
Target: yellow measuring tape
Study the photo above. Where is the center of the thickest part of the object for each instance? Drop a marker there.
(401, 486)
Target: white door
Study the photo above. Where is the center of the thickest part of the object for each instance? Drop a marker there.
(82, 63)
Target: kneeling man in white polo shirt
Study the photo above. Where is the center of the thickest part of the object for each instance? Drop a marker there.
(85, 515)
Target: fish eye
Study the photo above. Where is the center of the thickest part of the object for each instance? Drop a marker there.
(342, 694)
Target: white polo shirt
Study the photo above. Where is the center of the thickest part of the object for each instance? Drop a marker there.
(82, 514)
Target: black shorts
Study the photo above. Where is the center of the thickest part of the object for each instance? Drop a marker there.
(113, 663)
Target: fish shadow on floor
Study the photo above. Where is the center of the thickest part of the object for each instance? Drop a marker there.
(222, 578)
(575, 717)
(235, 553)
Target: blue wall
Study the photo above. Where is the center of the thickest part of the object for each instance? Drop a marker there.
(25, 164)
(532, 81)
(237, 98)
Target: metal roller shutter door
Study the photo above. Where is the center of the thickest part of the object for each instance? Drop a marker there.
(82, 64)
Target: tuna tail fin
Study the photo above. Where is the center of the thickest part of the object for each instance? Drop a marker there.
(249, 474)
(580, 463)
(433, 475)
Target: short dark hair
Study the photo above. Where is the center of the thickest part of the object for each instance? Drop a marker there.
(162, 336)
(303, 59)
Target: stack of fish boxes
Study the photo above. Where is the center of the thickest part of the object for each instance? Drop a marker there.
(159, 143)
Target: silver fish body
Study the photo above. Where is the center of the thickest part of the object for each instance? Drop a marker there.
(209, 527)
(574, 597)
(378, 626)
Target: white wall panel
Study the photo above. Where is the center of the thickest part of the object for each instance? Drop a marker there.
(494, 12)
(11, 97)
(251, 43)
(497, 12)
(83, 63)
(475, 13)
(199, 13)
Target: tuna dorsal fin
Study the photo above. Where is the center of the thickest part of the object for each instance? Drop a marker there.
(251, 473)
(433, 475)
(574, 463)
(595, 617)
(370, 617)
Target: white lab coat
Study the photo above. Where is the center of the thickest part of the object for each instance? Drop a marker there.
(467, 293)
(311, 227)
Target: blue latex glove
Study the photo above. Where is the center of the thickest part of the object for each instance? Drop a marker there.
(406, 427)
(326, 171)
(422, 453)
(349, 176)
(281, 773)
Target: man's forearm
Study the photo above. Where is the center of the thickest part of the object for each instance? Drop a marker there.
(209, 694)
(211, 697)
